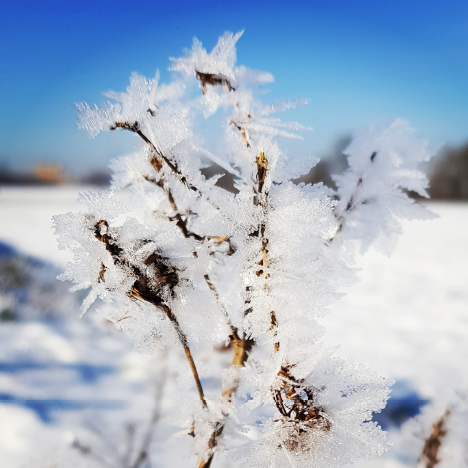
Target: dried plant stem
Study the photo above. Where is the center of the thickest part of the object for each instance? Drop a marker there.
(350, 205)
(195, 376)
(213, 80)
(212, 443)
(243, 346)
(430, 452)
(160, 158)
(242, 132)
(181, 223)
(218, 300)
(184, 341)
(262, 168)
(142, 292)
(135, 128)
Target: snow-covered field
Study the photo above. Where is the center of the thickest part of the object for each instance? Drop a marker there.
(407, 319)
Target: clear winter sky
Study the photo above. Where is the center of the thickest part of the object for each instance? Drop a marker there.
(359, 61)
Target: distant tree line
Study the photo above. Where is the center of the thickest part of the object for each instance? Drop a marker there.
(448, 173)
(51, 174)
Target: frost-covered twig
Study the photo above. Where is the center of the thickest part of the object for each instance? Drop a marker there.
(157, 161)
(254, 269)
(351, 204)
(144, 290)
(430, 452)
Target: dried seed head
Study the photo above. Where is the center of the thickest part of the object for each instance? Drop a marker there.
(151, 283)
(213, 80)
(296, 402)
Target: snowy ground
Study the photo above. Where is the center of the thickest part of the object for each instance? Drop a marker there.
(407, 319)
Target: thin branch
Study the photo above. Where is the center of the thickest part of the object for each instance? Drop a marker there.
(130, 429)
(181, 223)
(218, 299)
(135, 128)
(142, 290)
(213, 80)
(183, 340)
(212, 443)
(351, 205)
(243, 346)
(242, 132)
(88, 451)
(274, 329)
(430, 452)
(261, 199)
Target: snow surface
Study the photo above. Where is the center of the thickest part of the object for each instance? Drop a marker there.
(407, 319)
(26, 218)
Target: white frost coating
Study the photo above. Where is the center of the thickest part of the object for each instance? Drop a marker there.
(221, 60)
(202, 266)
(444, 421)
(346, 395)
(383, 165)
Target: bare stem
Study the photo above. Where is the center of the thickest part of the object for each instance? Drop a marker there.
(351, 205)
(242, 346)
(160, 157)
(184, 341)
(213, 80)
(141, 290)
(430, 452)
(135, 128)
(218, 299)
(195, 376)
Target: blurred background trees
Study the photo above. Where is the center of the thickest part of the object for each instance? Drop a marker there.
(448, 173)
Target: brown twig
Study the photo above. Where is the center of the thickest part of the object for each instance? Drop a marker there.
(143, 288)
(242, 346)
(213, 80)
(262, 170)
(181, 223)
(135, 128)
(160, 157)
(430, 452)
(218, 300)
(242, 132)
(274, 328)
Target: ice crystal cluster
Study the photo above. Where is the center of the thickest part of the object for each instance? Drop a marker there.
(196, 265)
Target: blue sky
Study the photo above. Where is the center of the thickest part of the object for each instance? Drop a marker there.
(358, 61)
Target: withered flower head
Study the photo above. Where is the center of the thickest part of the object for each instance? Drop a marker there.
(295, 400)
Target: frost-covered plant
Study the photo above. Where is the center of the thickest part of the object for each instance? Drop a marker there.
(194, 264)
(438, 436)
